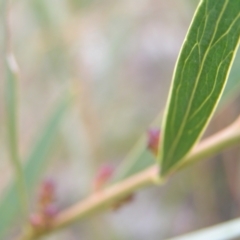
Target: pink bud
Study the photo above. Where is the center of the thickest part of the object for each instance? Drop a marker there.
(47, 192)
(36, 220)
(103, 175)
(48, 186)
(153, 140)
(50, 211)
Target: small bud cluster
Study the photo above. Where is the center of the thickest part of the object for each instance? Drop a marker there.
(47, 209)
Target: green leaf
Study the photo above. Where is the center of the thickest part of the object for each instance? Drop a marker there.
(36, 161)
(11, 103)
(199, 78)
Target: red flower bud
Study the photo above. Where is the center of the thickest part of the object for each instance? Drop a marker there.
(153, 140)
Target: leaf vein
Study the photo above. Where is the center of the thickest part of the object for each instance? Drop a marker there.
(179, 133)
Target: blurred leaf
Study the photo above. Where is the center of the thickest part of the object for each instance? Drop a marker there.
(137, 160)
(199, 77)
(36, 161)
(11, 98)
(80, 4)
(233, 85)
(224, 231)
(41, 12)
(11, 108)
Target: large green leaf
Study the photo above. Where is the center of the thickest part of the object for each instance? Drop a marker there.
(199, 78)
(37, 159)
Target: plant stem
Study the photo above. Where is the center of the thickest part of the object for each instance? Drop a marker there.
(107, 197)
(11, 112)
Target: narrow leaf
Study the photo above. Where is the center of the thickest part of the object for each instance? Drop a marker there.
(225, 231)
(36, 161)
(11, 106)
(139, 158)
(200, 76)
(11, 92)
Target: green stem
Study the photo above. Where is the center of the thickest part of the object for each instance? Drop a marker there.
(107, 197)
(11, 112)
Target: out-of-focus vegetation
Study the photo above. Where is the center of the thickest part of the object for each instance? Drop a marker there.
(117, 59)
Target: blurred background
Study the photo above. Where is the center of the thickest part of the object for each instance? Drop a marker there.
(117, 58)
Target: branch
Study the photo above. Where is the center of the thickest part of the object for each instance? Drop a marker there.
(106, 198)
